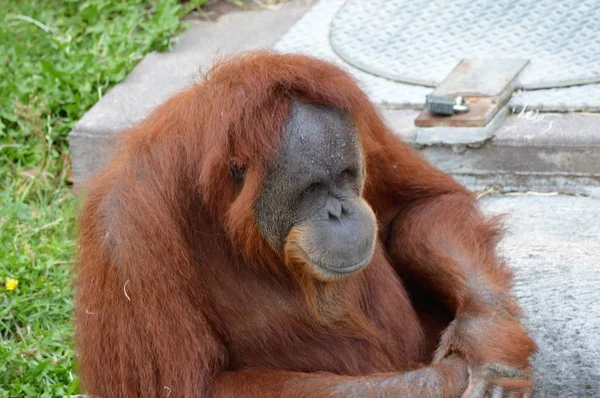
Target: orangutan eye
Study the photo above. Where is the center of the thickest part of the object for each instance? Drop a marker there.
(314, 187)
(237, 172)
(347, 174)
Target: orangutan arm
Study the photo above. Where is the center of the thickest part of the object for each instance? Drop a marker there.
(447, 379)
(444, 245)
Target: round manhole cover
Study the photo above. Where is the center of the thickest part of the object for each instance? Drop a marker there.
(421, 41)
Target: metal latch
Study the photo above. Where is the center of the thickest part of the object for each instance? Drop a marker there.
(444, 105)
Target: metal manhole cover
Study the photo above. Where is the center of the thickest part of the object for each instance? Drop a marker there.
(421, 41)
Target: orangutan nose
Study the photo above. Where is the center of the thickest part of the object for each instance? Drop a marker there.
(334, 208)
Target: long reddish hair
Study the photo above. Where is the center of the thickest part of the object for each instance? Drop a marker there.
(169, 181)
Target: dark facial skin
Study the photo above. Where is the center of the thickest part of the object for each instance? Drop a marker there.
(314, 189)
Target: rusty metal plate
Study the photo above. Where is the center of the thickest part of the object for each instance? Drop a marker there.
(482, 77)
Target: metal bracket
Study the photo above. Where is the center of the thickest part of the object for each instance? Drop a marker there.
(482, 86)
(447, 106)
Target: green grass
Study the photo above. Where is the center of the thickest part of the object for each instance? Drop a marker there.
(57, 58)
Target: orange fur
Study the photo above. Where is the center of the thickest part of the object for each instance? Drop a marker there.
(179, 295)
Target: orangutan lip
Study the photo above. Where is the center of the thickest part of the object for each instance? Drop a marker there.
(347, 270)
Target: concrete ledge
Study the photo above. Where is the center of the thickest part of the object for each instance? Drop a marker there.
(469, 136)
(553, 152)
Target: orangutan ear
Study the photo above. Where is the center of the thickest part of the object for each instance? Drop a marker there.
(237, 172)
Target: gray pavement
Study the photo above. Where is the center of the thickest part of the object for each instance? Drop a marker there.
(553, 245)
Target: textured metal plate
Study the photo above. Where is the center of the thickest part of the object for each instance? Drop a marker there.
(421, 41)
(310, 36)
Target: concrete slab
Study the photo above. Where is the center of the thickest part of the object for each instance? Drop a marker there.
(553, 245)
(584, 98)
(449, 136)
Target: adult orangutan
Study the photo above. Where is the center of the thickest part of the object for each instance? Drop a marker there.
(263, 233)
